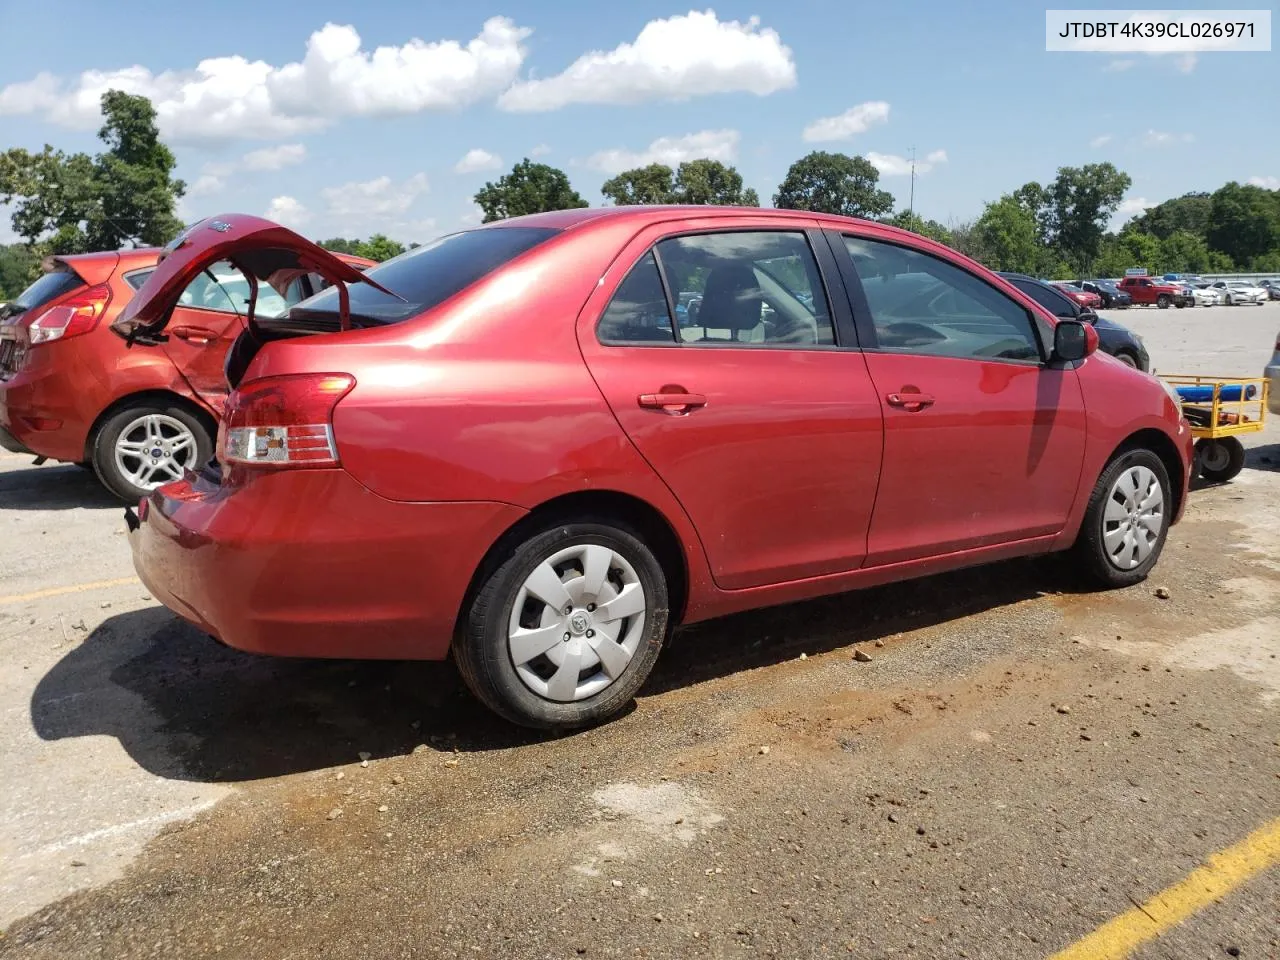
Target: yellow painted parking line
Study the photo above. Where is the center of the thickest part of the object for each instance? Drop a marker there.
(1222, 873)
(75, 588)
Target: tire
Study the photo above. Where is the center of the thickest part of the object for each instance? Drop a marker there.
(1106, 557)
(1127, 358)
(1163, 301)
(130, 425)
(536, 692)
(1219, 460)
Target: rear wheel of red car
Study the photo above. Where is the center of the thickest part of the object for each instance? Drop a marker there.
(142, 447)
(1127, 520)
(564, 632)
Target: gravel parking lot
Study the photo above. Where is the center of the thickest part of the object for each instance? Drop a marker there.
(1017, 763)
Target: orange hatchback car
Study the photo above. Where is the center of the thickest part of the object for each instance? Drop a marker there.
(72, 391)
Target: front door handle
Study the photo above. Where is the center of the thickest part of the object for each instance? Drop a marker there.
(911, 402)
(194, 334)
(674, 403)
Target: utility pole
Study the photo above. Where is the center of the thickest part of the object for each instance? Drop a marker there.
(911, 204)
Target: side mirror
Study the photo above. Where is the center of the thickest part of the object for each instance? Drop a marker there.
(1088, 316)
(1073, 340)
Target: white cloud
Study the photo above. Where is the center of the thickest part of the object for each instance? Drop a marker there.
(1131, 208)
(541, 150)
(1100, 141)
(225, 98)
(1160, 138)
(1267, 183)
(1118, 66)
(855, 120)
(288, 212)
(472, 217)
(891, 165)
(476, 160)
(275, 158)
(719, 145)
(374, 200)
(1186, 63)
(207, 183)
(694, 54)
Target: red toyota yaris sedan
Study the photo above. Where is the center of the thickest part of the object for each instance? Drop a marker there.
(71, 391)
(541, 443)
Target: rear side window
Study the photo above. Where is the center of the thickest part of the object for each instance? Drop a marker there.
(47, 288)
(137, 278)
(427, 276)
(749, 288)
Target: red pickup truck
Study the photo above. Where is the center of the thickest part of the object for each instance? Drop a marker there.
(1163, 293)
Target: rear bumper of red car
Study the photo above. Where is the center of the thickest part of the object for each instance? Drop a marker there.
(42, 407)
(309, 563)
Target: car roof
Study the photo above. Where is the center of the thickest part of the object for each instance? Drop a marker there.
(658, 213)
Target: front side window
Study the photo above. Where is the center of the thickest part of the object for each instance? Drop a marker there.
(749, 288)
(1051, 300)
(922, 304)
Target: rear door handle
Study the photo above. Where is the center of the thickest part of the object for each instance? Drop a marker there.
(194, 334)
(910, 401)
(675, 403)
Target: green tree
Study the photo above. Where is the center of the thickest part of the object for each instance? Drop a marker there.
(379, 247)
(710, 182)
(1183, 252)
(1131, 248)
(1009, 237)
(1078, 205)
(341, 245)
(1189, 212)
(833, 183)
(917, 224)
(529, 188)
(74, 202)
(19, 265)
(1244, 221)
(643, 185)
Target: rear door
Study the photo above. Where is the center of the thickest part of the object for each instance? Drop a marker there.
(208, 317)
(754, 406)
(984, 441)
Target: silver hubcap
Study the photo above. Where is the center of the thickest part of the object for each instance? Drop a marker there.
(154, 449)
(1133, 521)
(577, 621)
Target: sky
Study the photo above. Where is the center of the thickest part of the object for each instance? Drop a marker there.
(346, 119)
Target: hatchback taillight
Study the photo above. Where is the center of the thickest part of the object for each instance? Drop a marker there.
(283, 421)
(75, 315)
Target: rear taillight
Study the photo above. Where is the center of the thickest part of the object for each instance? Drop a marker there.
(77, 314)
(283, 421)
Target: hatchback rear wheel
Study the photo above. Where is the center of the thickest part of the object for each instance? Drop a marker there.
(145, 446)
(565, 631)
(1127, 520)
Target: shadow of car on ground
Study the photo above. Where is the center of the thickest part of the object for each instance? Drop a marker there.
(61, 487)
(185, 707)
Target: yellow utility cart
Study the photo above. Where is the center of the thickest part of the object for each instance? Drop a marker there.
(1219, 410)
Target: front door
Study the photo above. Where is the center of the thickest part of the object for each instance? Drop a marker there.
(984, 441)
(731, 384)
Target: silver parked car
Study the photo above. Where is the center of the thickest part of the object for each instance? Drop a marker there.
(1272, 373)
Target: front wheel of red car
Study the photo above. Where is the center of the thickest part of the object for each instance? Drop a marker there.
(1127, 520)
(566, 629)
(144, 446)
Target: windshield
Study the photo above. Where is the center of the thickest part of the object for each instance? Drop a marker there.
(48, 287)
(425, 276)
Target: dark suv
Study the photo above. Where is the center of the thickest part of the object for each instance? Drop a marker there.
(1116, 339)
